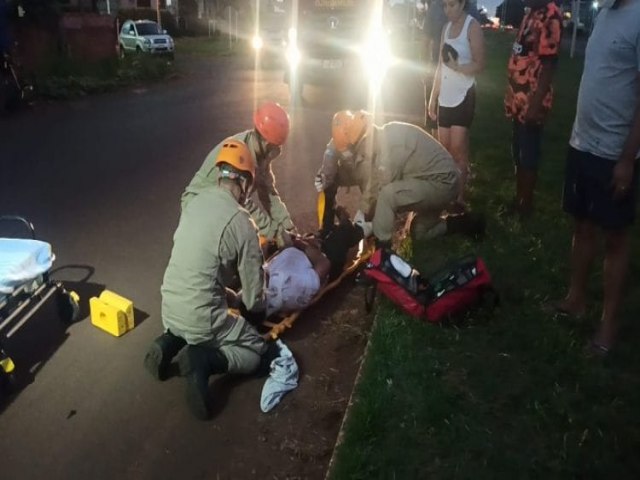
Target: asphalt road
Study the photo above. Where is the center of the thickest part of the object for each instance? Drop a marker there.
(101, 180)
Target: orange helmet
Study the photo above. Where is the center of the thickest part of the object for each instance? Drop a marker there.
(272, 122)
(348, 128)
(236, 154)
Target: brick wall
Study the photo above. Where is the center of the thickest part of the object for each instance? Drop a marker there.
(88, 36)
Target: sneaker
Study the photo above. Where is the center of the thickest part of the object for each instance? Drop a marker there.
(161, 353)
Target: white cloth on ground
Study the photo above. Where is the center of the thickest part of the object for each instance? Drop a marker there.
(22, 260)
(283, 377)
(292, 281)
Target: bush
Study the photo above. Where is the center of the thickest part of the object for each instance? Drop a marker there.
(68, 79)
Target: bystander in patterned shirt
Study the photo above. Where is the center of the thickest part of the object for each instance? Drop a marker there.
(538, 41)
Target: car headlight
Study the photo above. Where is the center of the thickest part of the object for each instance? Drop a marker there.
(293, 55)
(376, 56)
(256, 42)
(147, 42)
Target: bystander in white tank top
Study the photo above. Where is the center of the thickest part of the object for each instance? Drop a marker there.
(455, 85)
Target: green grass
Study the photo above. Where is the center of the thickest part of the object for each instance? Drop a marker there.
(507, 394)
(217, 46)
(65, 78)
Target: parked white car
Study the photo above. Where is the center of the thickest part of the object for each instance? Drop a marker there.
(145, 36)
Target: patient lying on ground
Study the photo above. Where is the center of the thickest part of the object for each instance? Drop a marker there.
(295, 274)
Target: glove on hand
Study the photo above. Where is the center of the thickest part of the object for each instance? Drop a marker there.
(359, 220)
(319, 182)
(284, 239)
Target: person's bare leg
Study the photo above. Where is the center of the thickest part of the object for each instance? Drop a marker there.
(444, 137)
(616, 264)
(459, 149)
(526, 185)
(583, 251)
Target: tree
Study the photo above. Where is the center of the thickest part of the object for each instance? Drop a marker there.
(514, 10)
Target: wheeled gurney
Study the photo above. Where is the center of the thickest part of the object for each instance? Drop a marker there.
(25, 285)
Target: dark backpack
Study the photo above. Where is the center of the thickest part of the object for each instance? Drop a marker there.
(455, 289)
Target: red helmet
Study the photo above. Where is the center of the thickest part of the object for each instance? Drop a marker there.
(272, 122)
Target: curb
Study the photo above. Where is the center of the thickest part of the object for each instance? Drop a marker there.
(340, 437)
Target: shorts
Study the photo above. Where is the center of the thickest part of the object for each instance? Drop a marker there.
(588, 194)
(460, 115)
(525, 145)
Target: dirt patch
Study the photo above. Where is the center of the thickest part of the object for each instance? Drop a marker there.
(296, 441)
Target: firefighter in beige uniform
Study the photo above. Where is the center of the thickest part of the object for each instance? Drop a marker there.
(398, 168)
(265, 140)
(215, 238)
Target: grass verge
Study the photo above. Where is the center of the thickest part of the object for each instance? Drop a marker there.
(509, 393)
(64, 78)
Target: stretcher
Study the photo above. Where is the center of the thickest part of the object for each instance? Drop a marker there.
(278, 325)
(25, 285)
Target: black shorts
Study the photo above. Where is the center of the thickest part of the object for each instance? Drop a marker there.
(460, 115)
(588, 194)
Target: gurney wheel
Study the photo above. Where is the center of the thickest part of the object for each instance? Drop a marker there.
(68, 306)
(369, 297)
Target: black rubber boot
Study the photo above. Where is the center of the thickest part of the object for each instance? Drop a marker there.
(197, 365)
(272, 352)
(470, 224)
(160, 354)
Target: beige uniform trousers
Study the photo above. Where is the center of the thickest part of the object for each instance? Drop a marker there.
(427, 197)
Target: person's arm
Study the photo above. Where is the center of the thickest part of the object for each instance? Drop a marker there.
(274, 223)
(369, 187)
(623, 171)
(435, 90)
(250, 262)
(278, 212)
(548, 50)
(328, 171)
(476, 41)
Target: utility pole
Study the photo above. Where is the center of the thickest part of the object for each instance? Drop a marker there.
(158, 14)
(504, 14)
(575, 16)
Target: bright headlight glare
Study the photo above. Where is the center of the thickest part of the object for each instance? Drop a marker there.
(376, 56)
(293, 55)
(292, 35)
(256, 42)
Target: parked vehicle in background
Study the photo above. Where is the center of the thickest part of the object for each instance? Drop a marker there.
(335, 42)
(145, 36)
(271, 21)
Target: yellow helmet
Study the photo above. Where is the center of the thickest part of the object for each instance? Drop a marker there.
(348, 128)
(236, 154)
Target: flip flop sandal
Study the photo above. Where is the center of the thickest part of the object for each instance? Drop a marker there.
(556, 310)
(595, 349)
